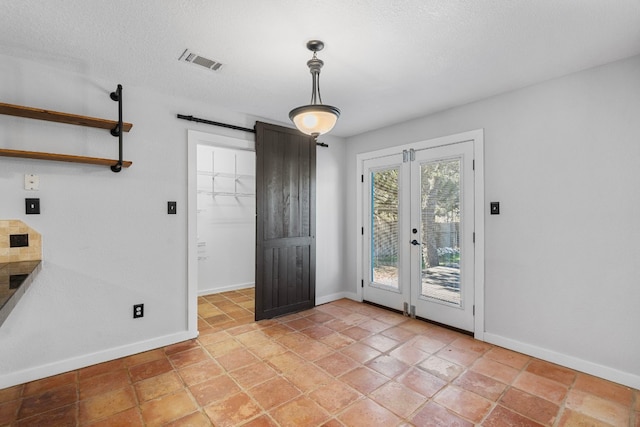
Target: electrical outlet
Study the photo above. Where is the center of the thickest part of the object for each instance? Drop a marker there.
(172, 208)
(138, 310)
(32, 206)
(495, 208)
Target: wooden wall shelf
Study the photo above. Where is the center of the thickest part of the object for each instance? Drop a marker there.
(61, 157)
(116, 127)
(55, 116)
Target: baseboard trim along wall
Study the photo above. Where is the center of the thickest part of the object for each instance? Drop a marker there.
(225, 288)
(578, 364)
(74, 363)
(334, 297)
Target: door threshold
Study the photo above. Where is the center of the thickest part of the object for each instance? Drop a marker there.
(433, 322)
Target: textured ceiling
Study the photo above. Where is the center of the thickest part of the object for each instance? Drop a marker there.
(386, 61)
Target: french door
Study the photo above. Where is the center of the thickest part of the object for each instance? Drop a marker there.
(419, 233)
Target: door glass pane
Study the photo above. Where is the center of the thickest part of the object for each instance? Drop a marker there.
(440, 220)
(384, 226)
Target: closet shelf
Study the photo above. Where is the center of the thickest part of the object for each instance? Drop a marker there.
(55, 116)
(61, 157)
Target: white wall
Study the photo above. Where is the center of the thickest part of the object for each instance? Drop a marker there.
(108, 241)
(562, 157)
(226, 223)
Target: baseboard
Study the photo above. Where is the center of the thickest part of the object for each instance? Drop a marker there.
(74, 363)
(225, 288)
(578, 364)
(334, 297)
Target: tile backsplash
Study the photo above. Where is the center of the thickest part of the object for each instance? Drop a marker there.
(13, 253)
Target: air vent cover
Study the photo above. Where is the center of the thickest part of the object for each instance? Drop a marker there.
(194, 58)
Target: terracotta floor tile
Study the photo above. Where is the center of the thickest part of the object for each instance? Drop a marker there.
(637, 400)
(603, 388)
(496, 370)
(399, 334)
(277, 330)
(313, 350)
(399, 399)
(508, 357)
(409, 354)
(308, 378)
(337, 341)
(334, 396)
(320, 317)
(129, 418)
(64, 416)
(442, 334)
(299, 323)
(388, 366)
(293, 340)
(299, 412)
(211, 337)
(181, 346)
(268, 350)
(189, 357)
(458, 355)
(380, 342)
(222, 347)
(214, 390)
(166, 409)
(102, 383)
(101, 368)
(441, 368)
(364, 379)
(360, 352)
(274, 392)
(195, 419)
(46, 384)
(422, 382)
(541, 387)
(337, 363)
(570, 418)
(480, 384)
(106, 405)
(427, 344)
(552, 371)
(435, 415)
(368, 413)
(333, 422)
(233, 410)
(236, 359)
(391, 318)
(252, 375)
(536, 408)
(150, 369)
(252, 338)
(11, 393)
(52, 399)
(200, 372)
(471, 344)
(337, 325)
(286, 362)
(502, 417)
(418, 327)
(356, 333)
(158, 386)
(598, 408)
(261, 421)
(9, 411)
(374, 325)
(144, 357)
(465, 403)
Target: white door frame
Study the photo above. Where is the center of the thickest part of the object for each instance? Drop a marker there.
(193, 139)
(477, 136)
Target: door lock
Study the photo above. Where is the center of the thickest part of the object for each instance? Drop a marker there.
(414, 242)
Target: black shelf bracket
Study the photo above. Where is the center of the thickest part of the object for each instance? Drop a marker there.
(117, 131)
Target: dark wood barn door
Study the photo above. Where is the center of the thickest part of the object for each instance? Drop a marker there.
(285, 221)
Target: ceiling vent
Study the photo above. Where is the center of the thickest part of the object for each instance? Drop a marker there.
(194, 58)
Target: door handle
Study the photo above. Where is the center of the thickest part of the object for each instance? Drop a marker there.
(414, 242)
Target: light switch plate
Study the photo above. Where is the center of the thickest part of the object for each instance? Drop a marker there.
(31, 182)
(172, 208)
(32, 206)
(495, 208)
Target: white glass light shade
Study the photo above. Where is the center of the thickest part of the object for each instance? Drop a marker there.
(315, 119)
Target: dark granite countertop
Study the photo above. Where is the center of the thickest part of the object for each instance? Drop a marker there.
(15, 278)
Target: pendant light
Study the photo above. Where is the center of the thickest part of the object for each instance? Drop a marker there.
(316, 118)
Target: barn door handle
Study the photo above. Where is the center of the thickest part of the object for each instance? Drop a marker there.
(414, 242)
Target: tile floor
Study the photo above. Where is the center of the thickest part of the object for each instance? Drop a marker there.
(339, 364)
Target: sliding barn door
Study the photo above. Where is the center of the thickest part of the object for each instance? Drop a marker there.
(285, 221)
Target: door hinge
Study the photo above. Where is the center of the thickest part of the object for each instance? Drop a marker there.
(474, 237)
(362, 231)
(473, 164)
(474, 310)
(412, 154)
(405, 156)
(362, 283)
(361, 178)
